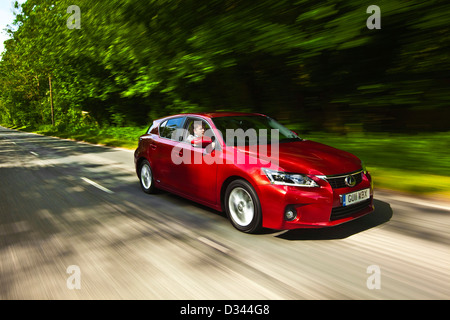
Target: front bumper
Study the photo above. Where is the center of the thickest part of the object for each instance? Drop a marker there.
(315, 207)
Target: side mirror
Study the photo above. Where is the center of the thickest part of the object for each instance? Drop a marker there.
(201, 142)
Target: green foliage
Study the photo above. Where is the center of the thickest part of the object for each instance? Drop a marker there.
(426, 152)
(417, 163)
(315, 62)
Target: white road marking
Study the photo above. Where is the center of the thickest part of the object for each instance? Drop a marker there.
(213, 244)
(34, 153)
(95, 184)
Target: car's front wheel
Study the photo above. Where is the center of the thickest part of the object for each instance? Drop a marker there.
(146, 177)
(243, 207)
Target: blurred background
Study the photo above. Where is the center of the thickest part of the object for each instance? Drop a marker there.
(383, 94)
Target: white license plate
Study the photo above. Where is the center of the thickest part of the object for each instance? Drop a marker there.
(355, 197)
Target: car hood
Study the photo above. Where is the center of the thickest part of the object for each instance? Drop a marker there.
(307, 157)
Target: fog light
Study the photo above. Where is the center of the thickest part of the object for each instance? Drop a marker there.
(290, 214)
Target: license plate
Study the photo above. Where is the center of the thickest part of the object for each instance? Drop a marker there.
(355, 197)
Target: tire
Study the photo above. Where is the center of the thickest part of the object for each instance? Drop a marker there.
(146, 177)
(242, 206)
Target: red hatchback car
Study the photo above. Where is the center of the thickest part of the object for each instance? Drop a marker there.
(253, 168)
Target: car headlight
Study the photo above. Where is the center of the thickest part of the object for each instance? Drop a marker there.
(289, 179)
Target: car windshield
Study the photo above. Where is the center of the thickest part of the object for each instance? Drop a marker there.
(252, 130)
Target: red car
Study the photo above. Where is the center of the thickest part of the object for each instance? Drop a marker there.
(253, 168)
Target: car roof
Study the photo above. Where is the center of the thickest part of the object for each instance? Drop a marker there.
(214, 114)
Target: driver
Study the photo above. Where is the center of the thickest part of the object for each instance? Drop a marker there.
(199, 131)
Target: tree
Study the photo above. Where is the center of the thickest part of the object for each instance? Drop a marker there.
(318, 63)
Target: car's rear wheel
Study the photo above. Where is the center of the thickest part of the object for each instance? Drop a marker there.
(146, 177)
(243, 207)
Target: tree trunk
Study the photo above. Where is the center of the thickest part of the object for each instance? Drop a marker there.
(51, 98)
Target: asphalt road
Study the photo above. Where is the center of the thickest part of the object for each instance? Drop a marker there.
(74, 224)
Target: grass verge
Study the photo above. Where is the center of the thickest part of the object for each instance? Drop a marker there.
(417, 164)
(122, 137)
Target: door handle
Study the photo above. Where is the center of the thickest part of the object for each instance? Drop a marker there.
(153, 146)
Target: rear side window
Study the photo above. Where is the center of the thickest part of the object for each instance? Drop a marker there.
(171, 128)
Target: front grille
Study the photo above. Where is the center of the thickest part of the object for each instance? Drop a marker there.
(339, 182)
(342, 212)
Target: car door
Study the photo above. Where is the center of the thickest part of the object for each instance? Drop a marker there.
(169, 134)
(196, 169)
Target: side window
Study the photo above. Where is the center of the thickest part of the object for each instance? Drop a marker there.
(172, 129)
(196, 129)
